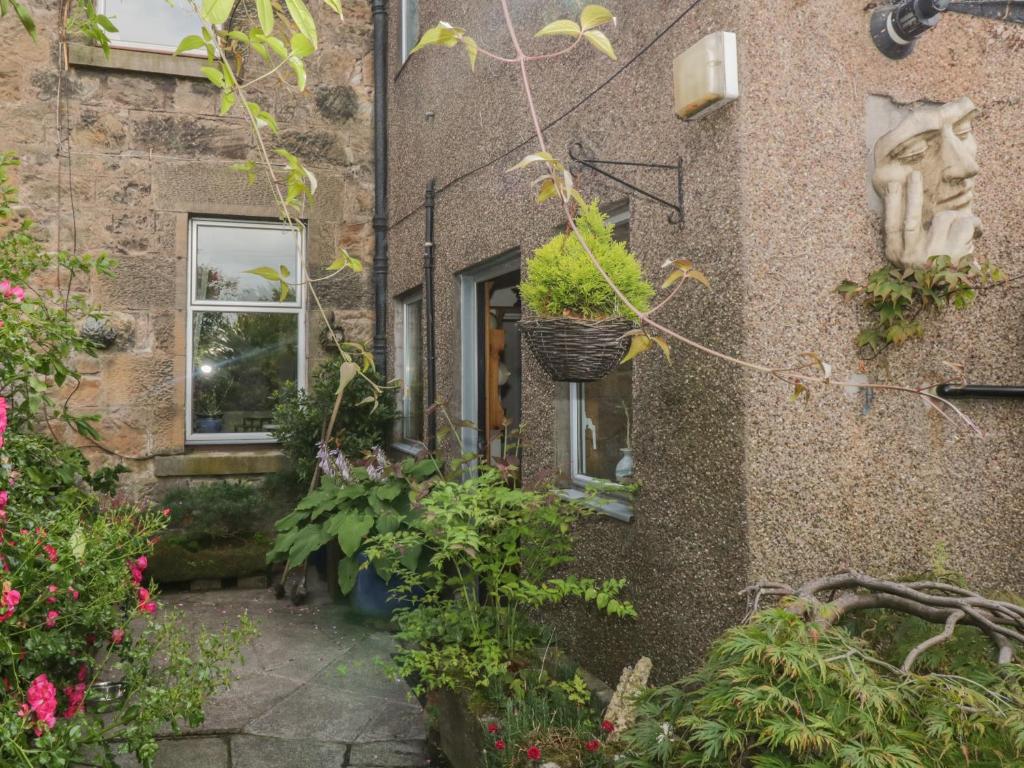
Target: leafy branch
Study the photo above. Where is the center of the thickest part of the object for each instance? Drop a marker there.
(897, 297)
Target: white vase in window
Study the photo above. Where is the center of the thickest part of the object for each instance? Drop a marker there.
(624, 469)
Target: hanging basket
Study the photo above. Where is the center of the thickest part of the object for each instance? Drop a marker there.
(577, 350)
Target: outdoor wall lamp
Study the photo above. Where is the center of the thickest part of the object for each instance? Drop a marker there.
(896, 27)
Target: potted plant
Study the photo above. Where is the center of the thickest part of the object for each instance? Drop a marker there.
(209, 409)
(581, 328)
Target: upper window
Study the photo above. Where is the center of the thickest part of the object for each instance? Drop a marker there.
(410, 26)
(409, 367)
(601, 415)
(150, 25)
(246, 334)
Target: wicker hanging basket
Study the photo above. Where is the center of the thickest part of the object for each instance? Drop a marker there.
(577, 350)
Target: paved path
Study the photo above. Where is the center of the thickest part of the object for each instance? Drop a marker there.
(292, 707)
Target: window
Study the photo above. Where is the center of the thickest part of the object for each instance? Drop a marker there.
(601, 416)
(409, 366)
(410, 26)
(150, 25)
(246, 335)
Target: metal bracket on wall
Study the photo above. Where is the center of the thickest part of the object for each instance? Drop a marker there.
(676, 217)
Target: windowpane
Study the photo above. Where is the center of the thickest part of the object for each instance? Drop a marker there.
(238, 360)
(410, 356)
(410, 26)
(226, 252)
(161, 23)
(605, 415)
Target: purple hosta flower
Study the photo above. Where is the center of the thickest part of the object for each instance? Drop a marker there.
(380, 457)
(333, 463)
(377, 467)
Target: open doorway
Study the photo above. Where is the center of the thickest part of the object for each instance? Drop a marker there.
(492, 358)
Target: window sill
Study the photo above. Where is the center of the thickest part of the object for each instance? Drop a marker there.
(610, 506)
(82, 55)
(410, 449)
(220, 463)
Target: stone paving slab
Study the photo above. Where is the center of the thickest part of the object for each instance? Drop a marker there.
(311, 693)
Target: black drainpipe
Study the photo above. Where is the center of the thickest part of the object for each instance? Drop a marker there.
(428, 310)
(979, 390)
(380, 181)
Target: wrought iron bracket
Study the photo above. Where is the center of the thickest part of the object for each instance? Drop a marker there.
(676, 217)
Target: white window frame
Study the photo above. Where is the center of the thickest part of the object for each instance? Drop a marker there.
(295, 307)
(577, 403)
(404, 305)
(130, 45)
(403, 37)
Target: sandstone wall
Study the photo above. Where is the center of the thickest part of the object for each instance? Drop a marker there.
(138, 154)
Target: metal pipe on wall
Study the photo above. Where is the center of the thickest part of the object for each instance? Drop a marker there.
(428, 311)
(979, 390)
(380, 181)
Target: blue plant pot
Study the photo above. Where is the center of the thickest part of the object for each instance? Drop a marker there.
(209, 424)
(373, 596)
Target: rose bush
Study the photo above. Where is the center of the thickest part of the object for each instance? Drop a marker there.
(75, 606)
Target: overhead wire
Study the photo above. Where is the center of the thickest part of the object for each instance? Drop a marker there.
(494, 159)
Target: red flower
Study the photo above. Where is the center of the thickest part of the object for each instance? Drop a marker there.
(493, 727)
(50, 552)
(607, 727)
(51, 619)
(593, 745)
(533, 753)
(117, 636)
(145, 604)
(499, 745)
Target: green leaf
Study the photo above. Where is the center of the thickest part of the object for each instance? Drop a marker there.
(278, 47)
(227, 101)
(303, 19)
(300, 73)
(600, 41)
(216, 11)
(565, 27)
(348, 569)
(301, 45)
(335, 5)
(267, 273)
(410, 559)
(641, 343)
(472, 49)
(189, 43)
(443, 34)
(388, 522)
(352, 531)
(213, 74)
(306, 542)
(265, 11)
(346, 373)
(24, 17)
(595, 16)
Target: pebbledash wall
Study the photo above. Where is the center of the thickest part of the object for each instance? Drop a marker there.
(737, 483)
(141, 150)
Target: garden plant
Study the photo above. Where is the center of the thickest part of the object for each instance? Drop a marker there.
(91, 667)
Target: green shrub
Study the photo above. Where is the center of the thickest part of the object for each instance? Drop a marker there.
(220, 512)
(781, 692)
(562, 280)
(301, 416)
(497, 556)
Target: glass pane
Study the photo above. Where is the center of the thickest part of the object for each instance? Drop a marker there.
(604, 450)
(410, 356)
(226, 252)
(410, 26)
(152, 22)
(238, 360)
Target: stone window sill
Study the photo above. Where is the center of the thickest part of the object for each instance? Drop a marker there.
(220, 463)
(608, 505)
(82, 55)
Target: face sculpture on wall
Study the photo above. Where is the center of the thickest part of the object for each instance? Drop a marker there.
(924, 172)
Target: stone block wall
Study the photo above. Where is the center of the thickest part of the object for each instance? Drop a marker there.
(116, 158)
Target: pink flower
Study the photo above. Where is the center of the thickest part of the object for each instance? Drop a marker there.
(42, 701)
(9, 599)
(117, 636)
(499, 745)
(51, 552)
(166, 512)
(52, 589)
(5, 286)
(18, 293)
(145, 604)
(533, 753)
(75, 694)
(493, 727)
(607, 727)
(51, 619)
(142, 563)
(73, 592)
(593, 745)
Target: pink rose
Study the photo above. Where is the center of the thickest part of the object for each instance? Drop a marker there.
(51, 619)
(42, 701)
(117, 636)
(75, 694)
(51, 552)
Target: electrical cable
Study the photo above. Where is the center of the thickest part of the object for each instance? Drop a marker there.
(463, 176)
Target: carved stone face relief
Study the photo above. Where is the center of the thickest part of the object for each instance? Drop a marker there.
(924, 173)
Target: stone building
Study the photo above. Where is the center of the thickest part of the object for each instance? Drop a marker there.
(736, 482)
(128, 154)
